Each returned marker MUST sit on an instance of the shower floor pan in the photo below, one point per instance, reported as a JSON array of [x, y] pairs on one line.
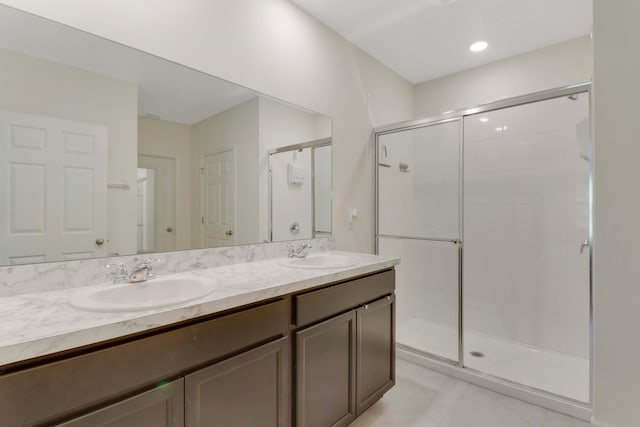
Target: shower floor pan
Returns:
[[551, 371]]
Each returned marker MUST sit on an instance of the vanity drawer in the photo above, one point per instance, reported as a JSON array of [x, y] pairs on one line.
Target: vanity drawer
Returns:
[[323, 303], [72, 385]]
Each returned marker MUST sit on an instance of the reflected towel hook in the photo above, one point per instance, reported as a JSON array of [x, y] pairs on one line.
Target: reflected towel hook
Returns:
[[385, 154], [124, 185]]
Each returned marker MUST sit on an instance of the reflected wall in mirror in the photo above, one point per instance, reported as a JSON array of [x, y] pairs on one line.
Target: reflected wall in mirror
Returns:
[[105, 150]]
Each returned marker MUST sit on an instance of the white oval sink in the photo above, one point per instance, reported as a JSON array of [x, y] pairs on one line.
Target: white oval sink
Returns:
[[321, 261], [154, 293]]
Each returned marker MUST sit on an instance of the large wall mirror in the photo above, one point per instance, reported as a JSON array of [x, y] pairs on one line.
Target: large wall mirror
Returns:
[[105, 151]]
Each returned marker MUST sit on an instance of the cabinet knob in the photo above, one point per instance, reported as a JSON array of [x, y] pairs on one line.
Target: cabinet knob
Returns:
[[99, 242], [229, 233], [366, 306], [169, 229]]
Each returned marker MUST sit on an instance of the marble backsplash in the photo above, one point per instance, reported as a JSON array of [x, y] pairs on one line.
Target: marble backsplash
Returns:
[[30, 278]]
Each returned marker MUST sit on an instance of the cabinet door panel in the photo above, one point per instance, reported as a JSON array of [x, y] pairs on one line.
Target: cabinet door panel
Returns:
[[160, 407], [248, 390], [375, 351], [325, 373]]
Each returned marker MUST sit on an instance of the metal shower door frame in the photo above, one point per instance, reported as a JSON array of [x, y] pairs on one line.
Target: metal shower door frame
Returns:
[[461, 115]]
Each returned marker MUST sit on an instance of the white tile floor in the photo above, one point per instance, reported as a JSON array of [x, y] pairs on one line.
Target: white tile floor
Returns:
[[558, 373], [425, 398]]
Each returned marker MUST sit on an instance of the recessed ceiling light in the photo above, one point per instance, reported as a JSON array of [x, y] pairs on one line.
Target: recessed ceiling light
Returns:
[[478, 46]]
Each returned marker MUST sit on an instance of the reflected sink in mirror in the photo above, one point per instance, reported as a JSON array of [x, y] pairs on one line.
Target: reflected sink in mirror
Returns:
[[319, 261], [155, 293]]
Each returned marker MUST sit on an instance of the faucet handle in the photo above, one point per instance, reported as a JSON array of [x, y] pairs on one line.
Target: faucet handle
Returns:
[[149, 274], [120, 275], [303, 249]]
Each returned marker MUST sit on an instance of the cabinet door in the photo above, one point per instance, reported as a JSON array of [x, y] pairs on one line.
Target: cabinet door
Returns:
[[160, 407], [248, 390], [375, 351], [326, 372]]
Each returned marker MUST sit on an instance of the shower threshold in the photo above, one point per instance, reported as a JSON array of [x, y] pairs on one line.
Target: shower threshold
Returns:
[[559, 374]]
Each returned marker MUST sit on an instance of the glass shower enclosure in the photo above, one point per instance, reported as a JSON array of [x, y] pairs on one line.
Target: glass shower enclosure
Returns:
[[419, 220], [489, 210]]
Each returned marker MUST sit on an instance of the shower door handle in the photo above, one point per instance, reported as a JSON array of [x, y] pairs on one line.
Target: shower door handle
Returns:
[[585, 244]]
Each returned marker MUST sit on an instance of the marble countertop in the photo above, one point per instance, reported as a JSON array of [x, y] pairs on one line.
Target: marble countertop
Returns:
[[43, 323]]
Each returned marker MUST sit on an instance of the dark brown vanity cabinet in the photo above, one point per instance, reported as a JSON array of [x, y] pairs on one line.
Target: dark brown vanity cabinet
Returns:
[[330, 351], [345, 363], [143, 381], [247, 390]]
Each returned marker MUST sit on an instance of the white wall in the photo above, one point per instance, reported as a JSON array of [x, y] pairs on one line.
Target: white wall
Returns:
[[237, 129], [277, 49], [617, 212], [37, 86], [560, 65], [172, 140]]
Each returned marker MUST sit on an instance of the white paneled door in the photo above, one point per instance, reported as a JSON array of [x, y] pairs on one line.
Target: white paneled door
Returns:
[[218, 199], [53, 201]]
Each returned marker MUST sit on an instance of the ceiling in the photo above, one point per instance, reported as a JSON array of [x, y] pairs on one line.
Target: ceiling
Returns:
[[165, 90], [425, 39]]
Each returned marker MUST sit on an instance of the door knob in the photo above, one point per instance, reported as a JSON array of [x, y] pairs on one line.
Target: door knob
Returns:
[[99, 242], [294, 228], [169, 229], [229, 233]]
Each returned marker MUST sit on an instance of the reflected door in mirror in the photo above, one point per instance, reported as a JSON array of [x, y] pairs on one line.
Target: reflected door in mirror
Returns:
[[219, 199], [55, 198], [163, 205]]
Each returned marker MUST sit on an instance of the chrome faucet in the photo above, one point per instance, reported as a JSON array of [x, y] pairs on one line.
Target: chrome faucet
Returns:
[[299, 252], [140, 273], [144, 271]]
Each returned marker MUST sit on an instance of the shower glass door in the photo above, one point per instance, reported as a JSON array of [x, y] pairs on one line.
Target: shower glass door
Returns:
[[526, 227], [419, 221]]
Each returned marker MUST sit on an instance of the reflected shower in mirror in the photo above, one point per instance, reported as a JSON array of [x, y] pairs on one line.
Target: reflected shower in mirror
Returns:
[[301, 190], [106, 150]]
